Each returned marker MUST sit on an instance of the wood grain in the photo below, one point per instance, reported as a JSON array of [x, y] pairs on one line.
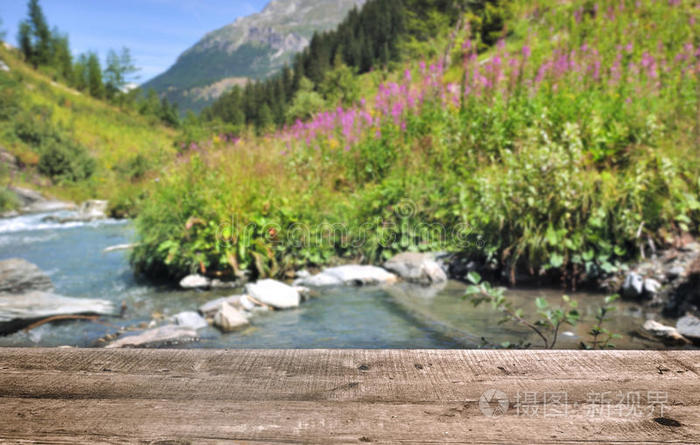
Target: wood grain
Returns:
[[343, 396]]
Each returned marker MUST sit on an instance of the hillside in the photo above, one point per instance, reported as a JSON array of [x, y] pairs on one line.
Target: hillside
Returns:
[[67, 144], [559, 151], [252, 47]]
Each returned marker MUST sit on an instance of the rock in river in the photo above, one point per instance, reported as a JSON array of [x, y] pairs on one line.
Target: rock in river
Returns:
[[190, 319], [229, 319], [17, 311], [667, 334], [350, 274], [164, 334], [416, 267], [633, 285], [18, 276], [274, 293], [689, 326], [195, 281]]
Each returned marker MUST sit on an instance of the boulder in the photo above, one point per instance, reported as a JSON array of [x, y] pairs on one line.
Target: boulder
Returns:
[[190, 319], [195, 281], [274, 293], [633, 286], [4, 67], [689, 326], [93, 209], [164, 334], [667, 334], [229, 319], [18, 276], [17, 311], [348, 275], [416, 267]]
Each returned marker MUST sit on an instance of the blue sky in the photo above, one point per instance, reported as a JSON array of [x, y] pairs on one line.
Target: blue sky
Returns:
[[156, 31]]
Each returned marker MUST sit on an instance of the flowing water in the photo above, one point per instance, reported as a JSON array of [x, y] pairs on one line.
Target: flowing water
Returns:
[[402, 316]]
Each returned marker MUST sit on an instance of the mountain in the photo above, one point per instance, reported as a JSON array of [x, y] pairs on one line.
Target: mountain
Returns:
[[252, 47]]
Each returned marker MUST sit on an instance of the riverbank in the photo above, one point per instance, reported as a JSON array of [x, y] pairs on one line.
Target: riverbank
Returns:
[[401, 315]]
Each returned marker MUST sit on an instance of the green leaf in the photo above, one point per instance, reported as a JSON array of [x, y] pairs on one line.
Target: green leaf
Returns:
[[556, 260], [541, 303], [474, 277]]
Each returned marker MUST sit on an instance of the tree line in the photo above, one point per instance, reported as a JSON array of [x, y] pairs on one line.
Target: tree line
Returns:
[[323, 74]]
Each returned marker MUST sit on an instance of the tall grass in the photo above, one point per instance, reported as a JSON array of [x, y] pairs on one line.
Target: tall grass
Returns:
[[565, 148]]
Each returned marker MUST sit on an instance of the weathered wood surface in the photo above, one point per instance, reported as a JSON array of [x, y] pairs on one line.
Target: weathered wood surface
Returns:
[[342, 396]]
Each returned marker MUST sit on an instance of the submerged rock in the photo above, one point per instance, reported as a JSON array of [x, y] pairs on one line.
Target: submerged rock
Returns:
[[274, 293], [164, 334], [18, 276], [190, 319], [229, 319], [665, 333], [195, 281], [689, 326], [349, 275], [416, 267]]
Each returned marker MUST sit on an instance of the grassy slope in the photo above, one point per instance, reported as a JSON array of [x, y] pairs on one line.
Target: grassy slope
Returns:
[[543, 165], [113, 136]]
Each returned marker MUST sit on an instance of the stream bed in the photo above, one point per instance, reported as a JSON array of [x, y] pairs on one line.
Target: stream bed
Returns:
[[402, 316]]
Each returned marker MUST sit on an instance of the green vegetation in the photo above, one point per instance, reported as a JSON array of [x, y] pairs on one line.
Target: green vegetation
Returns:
[[555, 151], [367, 39], [549, 320], [88, 148]]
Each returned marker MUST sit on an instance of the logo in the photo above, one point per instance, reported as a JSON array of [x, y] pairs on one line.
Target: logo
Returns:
[[493, 403]]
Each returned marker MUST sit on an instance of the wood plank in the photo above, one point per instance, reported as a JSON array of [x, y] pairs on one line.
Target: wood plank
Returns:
[[344, 396]]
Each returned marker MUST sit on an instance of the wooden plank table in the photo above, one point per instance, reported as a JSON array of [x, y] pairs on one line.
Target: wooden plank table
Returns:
[[348, 396]]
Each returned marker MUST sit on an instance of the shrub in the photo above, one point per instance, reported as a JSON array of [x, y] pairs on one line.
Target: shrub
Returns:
[[66, 161]]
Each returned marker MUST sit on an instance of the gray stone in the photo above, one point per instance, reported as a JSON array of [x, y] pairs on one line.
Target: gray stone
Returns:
[[33, 202], [164, 334], [319, 280], [676, 271], [118, 247], [190, 319], [274, 293], [247, 304], [689, 326], [633, 285], [4, 67], [210, 308], [302, 274], [229, 319], [349, 275], [16, 311], [220, 284], [651, 286], [416, 267], [664, 333], [18, 276], [195, 281], [93, 209]]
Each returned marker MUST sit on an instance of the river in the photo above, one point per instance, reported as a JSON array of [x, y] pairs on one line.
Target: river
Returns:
[[403, 316]]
